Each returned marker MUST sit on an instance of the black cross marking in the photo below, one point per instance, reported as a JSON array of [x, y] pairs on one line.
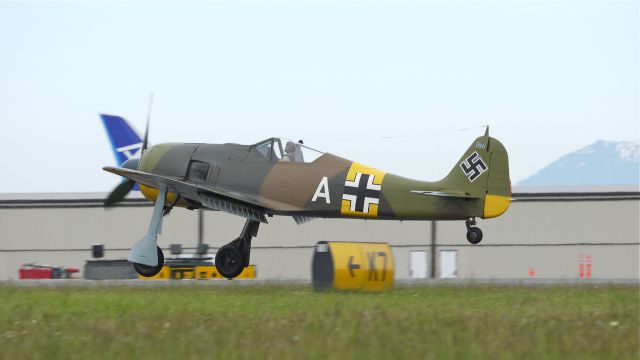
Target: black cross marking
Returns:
[[361, 192], [473, 166]]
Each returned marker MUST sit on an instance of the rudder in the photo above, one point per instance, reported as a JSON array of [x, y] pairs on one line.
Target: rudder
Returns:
[[483, 172]]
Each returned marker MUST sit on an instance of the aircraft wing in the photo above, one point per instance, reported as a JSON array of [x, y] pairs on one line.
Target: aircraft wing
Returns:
[[444, 194], [214, 198]]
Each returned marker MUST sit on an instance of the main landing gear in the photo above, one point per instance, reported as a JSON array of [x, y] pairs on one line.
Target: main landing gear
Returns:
[[148, 271], [474, 234], [232, 258], [146, 256]]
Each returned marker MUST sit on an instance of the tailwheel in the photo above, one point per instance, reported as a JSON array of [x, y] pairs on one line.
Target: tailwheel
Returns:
[[149, 271], [229, 261], [474, 235]]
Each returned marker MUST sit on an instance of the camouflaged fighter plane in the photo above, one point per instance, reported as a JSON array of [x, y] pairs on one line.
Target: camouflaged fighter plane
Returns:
[[280, 177]]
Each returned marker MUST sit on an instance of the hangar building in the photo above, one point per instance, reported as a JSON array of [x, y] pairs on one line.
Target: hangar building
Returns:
[[559, 233]]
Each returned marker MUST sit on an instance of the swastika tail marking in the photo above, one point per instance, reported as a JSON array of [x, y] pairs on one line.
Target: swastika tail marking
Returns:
[[362, 189], [473, 166]]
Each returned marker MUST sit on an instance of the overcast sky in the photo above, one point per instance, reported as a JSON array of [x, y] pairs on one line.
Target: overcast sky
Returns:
[[548, 77]]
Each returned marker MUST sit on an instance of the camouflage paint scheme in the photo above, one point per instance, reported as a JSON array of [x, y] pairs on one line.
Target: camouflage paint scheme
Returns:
[[244, 181]]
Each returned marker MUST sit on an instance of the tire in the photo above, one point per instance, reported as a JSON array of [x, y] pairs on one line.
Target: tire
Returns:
[[149, 271], [229, 261], [474, 235]]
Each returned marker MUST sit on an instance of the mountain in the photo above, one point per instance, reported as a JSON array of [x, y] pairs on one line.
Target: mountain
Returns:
[[601, 163]]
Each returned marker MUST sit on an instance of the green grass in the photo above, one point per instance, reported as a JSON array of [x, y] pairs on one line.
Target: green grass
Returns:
[[441, 322]]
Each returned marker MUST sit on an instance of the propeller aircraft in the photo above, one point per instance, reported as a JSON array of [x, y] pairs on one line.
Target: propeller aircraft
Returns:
[[287, 178]]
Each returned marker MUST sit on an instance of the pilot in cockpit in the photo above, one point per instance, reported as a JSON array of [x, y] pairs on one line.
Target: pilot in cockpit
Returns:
[[292, 152], [289, 152]]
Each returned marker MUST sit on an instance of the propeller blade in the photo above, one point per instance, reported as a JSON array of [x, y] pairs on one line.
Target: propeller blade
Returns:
[[119, 193], [145, 142]]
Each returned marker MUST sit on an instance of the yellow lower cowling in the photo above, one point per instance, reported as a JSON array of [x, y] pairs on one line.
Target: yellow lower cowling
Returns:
[[495, 205], [152, 194]]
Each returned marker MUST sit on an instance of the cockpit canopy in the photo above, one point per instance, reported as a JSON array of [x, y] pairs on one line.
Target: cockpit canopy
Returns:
[[285, 150]]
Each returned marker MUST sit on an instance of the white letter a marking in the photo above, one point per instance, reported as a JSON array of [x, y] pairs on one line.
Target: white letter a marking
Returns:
[[322, 191]]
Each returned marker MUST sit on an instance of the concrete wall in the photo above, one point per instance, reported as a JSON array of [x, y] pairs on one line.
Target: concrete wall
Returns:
[[540, 239]]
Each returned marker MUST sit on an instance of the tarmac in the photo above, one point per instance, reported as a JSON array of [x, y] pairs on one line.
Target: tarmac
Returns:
[[263, 282]]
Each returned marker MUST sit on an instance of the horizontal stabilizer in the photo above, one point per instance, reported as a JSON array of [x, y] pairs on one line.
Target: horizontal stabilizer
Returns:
[[444, 194]]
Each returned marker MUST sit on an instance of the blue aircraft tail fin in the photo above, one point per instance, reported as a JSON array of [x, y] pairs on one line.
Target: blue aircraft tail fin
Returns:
[[125, 141]]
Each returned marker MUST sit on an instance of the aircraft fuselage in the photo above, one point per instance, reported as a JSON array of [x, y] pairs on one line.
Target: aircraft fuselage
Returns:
[[329, 186]]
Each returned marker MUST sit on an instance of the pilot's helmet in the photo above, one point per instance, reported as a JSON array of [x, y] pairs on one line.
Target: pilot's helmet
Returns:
[[290, 147]]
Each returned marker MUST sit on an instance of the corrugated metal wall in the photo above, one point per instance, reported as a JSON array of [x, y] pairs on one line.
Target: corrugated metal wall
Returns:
[[545, 238]]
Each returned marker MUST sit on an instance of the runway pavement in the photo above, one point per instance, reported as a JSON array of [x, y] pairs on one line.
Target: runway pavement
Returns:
[[262, 282]]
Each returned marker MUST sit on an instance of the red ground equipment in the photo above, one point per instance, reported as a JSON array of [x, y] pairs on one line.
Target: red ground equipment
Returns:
[[37, 271]]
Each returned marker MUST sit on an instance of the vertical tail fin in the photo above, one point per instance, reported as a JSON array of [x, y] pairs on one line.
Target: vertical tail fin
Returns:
[[125, 141], [483, 172]]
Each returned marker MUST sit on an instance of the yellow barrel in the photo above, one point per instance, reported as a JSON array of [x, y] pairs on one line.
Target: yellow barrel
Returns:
[[352, 266]]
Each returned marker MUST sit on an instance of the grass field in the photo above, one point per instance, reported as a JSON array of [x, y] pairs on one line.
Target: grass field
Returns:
[[441, 322]]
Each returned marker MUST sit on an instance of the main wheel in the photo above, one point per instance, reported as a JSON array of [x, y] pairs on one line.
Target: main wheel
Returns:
[[229, 261], [149, 271], [474, 235]]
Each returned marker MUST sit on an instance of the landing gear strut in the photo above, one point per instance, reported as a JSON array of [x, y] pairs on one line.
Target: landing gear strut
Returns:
[[474, 234], [146, 256], [232, 258]]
